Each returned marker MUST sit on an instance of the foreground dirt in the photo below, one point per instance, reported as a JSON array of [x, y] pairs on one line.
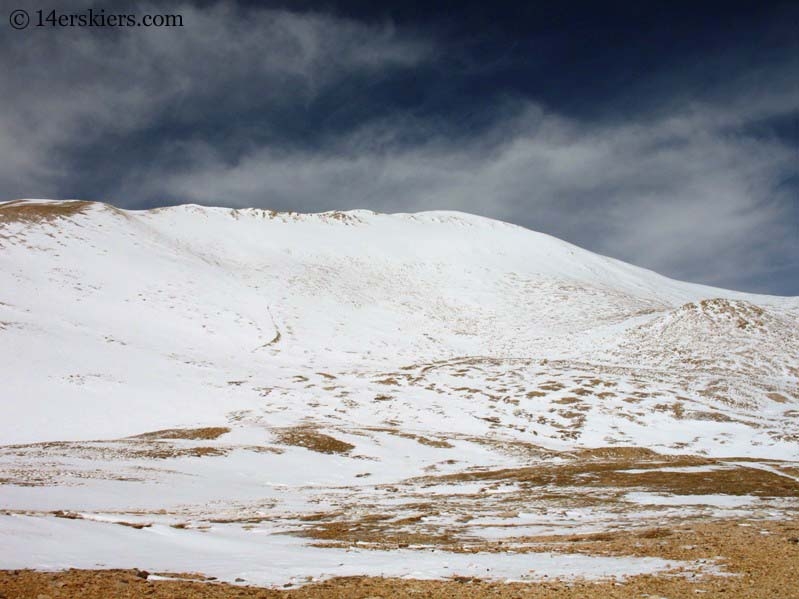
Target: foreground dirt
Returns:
[[762, 559]]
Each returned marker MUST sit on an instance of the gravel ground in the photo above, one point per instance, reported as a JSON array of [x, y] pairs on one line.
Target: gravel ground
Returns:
[[761, 557]]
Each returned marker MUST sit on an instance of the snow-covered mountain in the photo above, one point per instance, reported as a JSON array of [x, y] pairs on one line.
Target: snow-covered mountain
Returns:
[[190, 367], [119, 322]]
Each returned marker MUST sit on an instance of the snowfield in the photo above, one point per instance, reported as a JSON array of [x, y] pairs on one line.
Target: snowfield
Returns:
[[281, 397]]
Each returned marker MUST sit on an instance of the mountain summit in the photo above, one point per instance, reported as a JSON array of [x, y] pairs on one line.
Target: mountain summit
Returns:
[[117, 322]]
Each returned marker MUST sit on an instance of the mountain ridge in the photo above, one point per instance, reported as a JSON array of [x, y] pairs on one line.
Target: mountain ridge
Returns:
[[194, 389], [223, 294]]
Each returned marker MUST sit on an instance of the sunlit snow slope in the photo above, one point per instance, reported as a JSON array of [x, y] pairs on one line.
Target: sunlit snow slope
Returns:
[[212, 390], [114, 323]]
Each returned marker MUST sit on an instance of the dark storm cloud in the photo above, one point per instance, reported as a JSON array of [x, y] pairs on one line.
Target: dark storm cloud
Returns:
[[70, 91], [686, 165]]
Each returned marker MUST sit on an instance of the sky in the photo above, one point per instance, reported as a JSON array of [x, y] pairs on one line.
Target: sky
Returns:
[[663, 134]]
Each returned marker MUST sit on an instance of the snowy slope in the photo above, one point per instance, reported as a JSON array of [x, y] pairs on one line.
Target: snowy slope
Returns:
[[116, 323], [343, 357]]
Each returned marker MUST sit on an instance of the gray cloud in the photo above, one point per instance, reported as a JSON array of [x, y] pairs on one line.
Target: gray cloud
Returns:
[[681, 194], [67, 89], [685, 190]]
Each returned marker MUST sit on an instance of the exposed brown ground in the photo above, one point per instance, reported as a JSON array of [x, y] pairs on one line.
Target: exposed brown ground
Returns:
[[24, 212], [311, 439], [605, 468], [762, 554], [763, 558], [430, 442], [208, 433]]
